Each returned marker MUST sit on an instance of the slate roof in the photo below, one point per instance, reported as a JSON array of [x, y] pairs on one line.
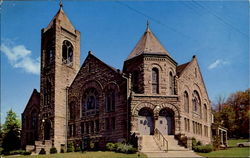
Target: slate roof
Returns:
[[148, 44], [64, 21], [180, 68]]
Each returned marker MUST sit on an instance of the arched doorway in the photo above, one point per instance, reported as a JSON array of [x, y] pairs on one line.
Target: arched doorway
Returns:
[[165, 122], [47, 129], [146, 121]]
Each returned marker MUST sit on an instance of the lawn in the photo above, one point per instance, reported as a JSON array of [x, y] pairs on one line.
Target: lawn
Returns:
[[232, 151], [98, 154], [233, 142]]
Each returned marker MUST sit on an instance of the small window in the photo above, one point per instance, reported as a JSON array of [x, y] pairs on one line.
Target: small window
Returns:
[[160, 121], [67, 52], [107, 123], [171, 83], [113, 123], [135, 81], [141, 122], [155, 81]]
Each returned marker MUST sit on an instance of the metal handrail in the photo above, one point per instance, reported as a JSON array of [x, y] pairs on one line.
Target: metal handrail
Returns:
[[162, 141]]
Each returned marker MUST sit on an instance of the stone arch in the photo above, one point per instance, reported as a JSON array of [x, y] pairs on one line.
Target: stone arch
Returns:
[[139, 106], [113, 85], [156, 66], [166, 105]]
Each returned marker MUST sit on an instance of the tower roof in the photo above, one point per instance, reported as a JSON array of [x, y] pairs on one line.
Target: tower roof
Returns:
[[148, 44], [63, 20]]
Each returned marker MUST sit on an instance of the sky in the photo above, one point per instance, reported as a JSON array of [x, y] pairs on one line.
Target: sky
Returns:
[[217, 32]]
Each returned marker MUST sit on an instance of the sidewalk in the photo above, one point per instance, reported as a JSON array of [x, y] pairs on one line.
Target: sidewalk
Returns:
[[172, 154]]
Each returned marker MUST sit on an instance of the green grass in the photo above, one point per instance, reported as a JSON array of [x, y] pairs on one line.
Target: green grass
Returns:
[[98, 154], [233, 142], [230, 152]]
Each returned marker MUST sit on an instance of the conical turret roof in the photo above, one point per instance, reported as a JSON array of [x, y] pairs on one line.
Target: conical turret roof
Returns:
[[63, 20], [148, 44]]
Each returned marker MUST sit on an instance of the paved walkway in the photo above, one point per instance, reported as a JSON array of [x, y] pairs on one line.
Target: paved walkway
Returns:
[[171, 154]]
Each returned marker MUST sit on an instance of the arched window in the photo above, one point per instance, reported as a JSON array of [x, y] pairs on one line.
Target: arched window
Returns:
[[34, 119], [67, 52], [49, 54], [72, 113], [205, 112], [90, 104], [47, 93], [196, 103], [135, 79], [186, 102], [110, 100], [155, 81], [171, 83]]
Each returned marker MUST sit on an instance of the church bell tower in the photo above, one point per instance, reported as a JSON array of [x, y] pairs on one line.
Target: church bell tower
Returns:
[[60, 62]]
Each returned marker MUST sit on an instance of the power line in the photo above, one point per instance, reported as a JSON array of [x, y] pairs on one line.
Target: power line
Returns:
[[151, 18], [220, 19]]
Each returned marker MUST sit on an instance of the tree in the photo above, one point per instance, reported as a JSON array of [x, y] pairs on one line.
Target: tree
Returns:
[[234, 113], [11, 132]]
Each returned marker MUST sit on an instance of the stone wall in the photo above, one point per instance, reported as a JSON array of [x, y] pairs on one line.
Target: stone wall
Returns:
[[95, 74], [190, 80]]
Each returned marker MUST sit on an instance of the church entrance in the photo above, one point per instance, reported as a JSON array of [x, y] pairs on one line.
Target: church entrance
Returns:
[[165, 122], [47, 128], [146, 122]]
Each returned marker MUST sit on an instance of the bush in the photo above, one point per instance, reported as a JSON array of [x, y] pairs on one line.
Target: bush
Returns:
[[194, 143], [199, 143], [62, 151], [111, 146], [1, 151], [53, 150], [42, 152], [125, 148], [27, 153], [71, 147], [92, 145], [16, 152], [77, 149], [203, 148]]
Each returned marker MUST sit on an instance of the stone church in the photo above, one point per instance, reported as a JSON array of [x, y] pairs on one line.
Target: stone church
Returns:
[[94, 102]]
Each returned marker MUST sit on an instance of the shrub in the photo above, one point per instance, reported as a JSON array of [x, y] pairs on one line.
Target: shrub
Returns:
[[71, 147], [92, 145], [77, 149], [62, 151], [53, 150], [111, 146], [16, 152], [203, 148], [125, 148], [1, 151], [194, 143], [27, 153], [199, 143], [42, 152]]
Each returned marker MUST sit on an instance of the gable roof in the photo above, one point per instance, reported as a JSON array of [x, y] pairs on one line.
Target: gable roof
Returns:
[[181, 68], [35, 96], [63, 20], [90, 55], [148, 44]]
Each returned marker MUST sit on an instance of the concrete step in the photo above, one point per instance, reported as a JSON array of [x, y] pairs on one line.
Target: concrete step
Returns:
[[173, 144], [149, 144]]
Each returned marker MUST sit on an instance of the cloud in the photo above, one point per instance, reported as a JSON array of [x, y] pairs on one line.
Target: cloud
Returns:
[[218, 62], [20, 57]]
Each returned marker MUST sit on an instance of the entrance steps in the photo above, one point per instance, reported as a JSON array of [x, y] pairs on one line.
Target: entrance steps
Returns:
[[35, 149], [173, 144], [149, 144]]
